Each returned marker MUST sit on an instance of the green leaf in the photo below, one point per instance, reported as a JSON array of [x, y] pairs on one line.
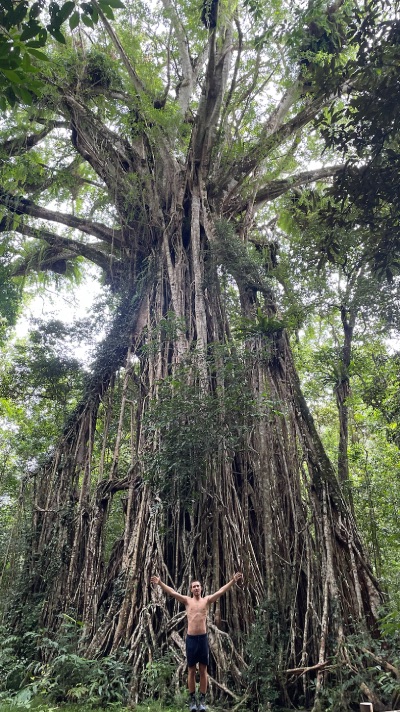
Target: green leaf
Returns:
[[12, 99], [87, 21], [4, 47], [39, 55], [54, 8], [57, 34], [9, 64], [36, 86], [23, 94], [106, 9], [12, 76], [74, 20], [42, 37], [18, 13], [95, 15], [35, 10], [87, 8], [36, 43], [7, 5], [26, 64], [30, 30], [65, 11]]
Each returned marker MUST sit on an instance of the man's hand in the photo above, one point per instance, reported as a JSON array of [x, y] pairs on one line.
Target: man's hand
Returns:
[[156, 580], [237, 577]]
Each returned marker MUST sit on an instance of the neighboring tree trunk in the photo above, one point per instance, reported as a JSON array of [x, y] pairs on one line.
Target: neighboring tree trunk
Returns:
[[342, 392]]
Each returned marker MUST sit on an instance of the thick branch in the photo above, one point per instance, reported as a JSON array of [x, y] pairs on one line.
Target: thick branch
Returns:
[[48, 260], [110, 155], [136, 81], [22, 206], [280, 111], [269, 140], [188, 79], [53, 175], [388, 666], [304, 670], [211, 101], [275, 188], [93, 253], [21, 144], [235, 71]]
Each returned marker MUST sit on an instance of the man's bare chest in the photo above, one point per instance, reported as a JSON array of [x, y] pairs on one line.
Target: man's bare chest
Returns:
[[197, 609]]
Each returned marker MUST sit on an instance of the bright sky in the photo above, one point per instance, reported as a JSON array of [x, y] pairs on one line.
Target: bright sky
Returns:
[[64, 303]]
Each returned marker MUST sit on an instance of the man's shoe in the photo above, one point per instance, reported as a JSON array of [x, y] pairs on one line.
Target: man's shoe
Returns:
[[192, 703], [202, 704]]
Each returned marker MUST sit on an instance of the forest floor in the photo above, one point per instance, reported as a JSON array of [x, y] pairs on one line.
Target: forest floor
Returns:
[[54, 707], [36, 706]]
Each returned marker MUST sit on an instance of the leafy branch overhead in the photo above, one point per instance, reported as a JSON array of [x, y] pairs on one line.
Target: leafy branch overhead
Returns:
[[26, 29], [366, 130]]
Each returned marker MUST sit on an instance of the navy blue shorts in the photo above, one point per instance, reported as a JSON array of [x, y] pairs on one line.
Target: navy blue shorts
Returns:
[[197, 649]]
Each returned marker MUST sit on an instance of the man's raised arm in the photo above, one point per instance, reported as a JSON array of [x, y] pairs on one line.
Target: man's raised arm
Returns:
[[215, 596], [167, 589]]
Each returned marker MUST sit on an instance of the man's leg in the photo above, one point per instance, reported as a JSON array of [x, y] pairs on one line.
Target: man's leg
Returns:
[[192, 688], [203, 678], [203, 687], [192, 679]]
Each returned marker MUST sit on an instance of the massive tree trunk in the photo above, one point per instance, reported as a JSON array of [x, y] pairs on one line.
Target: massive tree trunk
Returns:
[[227, 486], [208, 437]]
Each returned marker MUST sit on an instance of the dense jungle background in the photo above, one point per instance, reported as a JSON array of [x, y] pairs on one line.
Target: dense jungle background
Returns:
[[199, 333]]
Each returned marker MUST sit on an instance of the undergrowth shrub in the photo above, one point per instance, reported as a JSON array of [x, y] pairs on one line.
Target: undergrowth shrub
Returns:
[[157, 678], [58, 673], [263, 647], [364, 666]]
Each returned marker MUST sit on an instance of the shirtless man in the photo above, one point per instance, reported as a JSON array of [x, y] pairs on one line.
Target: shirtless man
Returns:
[[196, 639]]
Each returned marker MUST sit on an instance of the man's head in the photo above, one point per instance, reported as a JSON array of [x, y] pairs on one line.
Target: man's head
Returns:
[[195, 588]]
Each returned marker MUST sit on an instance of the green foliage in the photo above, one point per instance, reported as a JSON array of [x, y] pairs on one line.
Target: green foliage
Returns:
[[157, 677], [367, 131], [366, 658], [373, 448], [10, 299], [379, 387], [236, 257], [40, 383], [188, 425], [10, 289], [13, 663], [324, 52], [390, 627], [262, 325], [41, 368], [38, 705], [72, 677], [24, 34], [101, 71], [264, 647], [60, 674]]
